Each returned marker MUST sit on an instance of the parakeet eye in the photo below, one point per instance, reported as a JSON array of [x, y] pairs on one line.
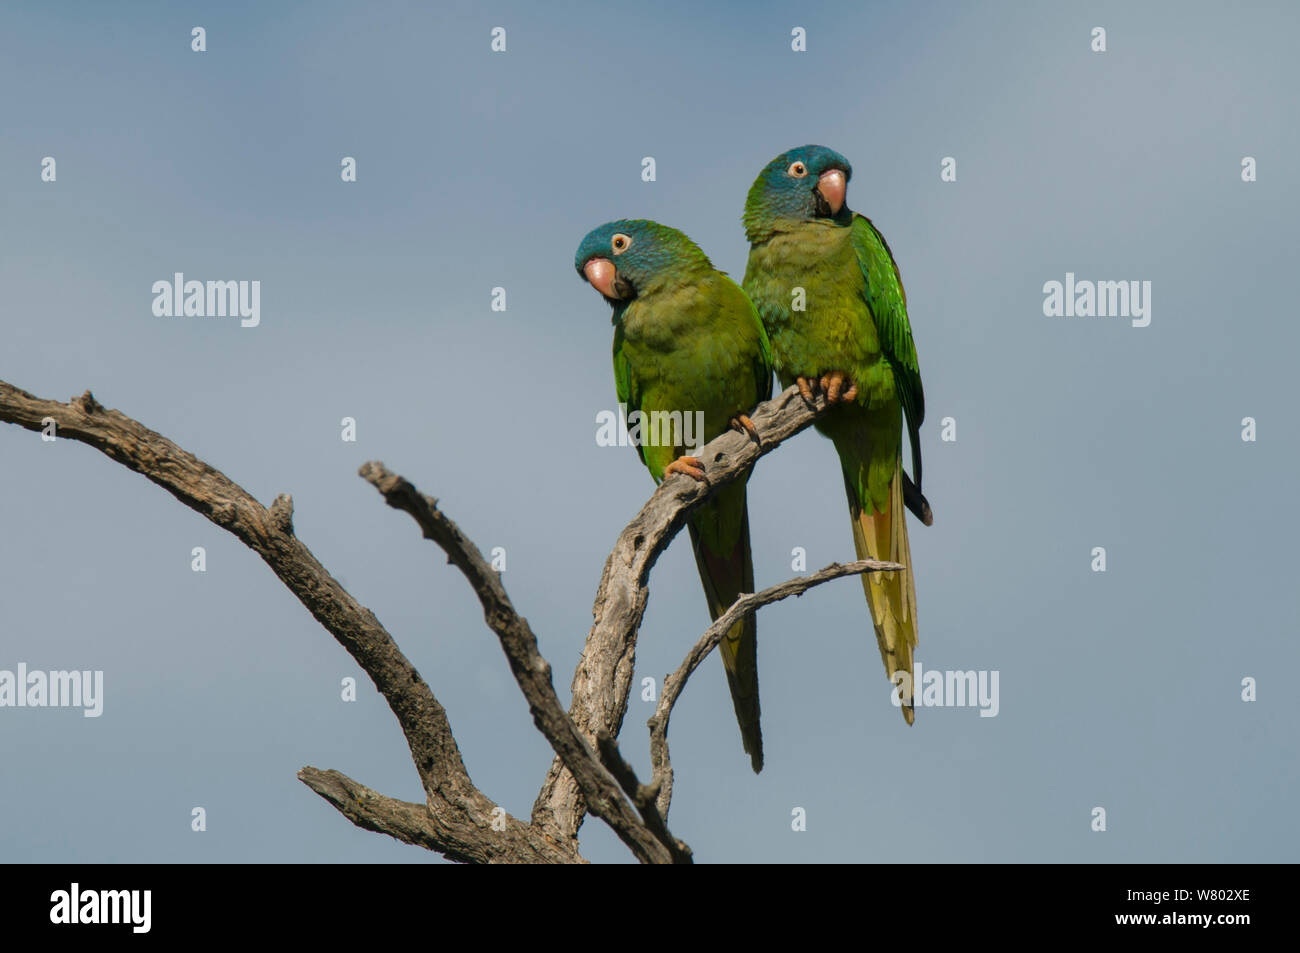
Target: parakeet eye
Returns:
[[620, 243], [798, 170]]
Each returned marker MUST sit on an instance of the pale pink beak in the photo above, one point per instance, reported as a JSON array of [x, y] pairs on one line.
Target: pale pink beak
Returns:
[[600, 272], [831, 185]]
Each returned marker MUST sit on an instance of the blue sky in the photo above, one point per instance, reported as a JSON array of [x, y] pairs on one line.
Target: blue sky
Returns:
[[477, 170]]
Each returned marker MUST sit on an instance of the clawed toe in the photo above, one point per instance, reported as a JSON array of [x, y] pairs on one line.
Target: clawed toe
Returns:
[[743, 423], [687, 465], [838, 387]]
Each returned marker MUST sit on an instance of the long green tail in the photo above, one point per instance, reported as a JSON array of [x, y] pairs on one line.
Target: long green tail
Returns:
[[720, 538], [891, 595]]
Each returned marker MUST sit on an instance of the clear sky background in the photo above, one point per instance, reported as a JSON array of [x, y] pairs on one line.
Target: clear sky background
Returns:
[[1119, 689]]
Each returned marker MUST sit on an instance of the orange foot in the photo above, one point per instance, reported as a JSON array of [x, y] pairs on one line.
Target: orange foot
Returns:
[[743, 423], [832, 383], [688, 465], [838, 387]]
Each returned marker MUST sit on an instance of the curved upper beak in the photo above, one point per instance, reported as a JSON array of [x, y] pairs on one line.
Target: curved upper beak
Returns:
[[832, 185], [601, 273]]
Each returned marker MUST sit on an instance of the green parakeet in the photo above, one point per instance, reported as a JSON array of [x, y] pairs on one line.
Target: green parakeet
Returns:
[[689, 346], [832, 301]]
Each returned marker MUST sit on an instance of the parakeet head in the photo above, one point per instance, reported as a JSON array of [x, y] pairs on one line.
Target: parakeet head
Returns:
[[633, 256], [802, 185]]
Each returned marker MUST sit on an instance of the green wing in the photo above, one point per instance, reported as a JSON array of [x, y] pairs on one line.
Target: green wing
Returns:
[[763, 359], [625, 384], [888, 304]]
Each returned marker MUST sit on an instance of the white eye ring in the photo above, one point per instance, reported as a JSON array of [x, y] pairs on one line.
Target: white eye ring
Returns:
[[620, 243], [798, 170]]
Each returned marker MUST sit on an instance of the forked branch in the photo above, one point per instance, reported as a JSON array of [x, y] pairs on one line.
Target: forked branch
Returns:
[[457, 819], [662, 780]]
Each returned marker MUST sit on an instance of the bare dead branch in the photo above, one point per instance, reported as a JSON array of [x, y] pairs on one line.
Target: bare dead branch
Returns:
[[412, 824], [458, 820], [642, 795], [404, 820], [662, 781], [599, 788], [603, 679], [460, 816]]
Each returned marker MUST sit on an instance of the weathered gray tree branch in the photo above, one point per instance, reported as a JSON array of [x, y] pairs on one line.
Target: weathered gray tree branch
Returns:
[[642, 795], [661, 783], [603, 680], [457, 819], [404, 820], [599, 788]]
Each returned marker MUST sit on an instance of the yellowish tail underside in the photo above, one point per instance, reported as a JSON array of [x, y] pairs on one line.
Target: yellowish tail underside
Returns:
[[891, 595]]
